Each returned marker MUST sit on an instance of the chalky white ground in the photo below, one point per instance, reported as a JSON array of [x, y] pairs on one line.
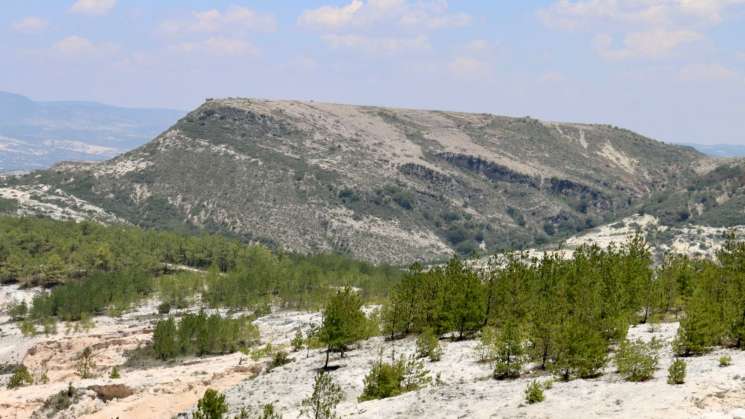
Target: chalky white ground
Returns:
[[466, 388], [469, 391]]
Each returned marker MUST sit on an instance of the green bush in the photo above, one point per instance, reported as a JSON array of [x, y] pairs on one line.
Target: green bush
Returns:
[[428, 346], [637, 360], [676, 374], [534, 392], [164, 307], [21, 377], [17, 311], [297, 341], [28, 328], [278, 359], [391, 379], [59, 402], [725, 361], [211, 406], [115, 373]]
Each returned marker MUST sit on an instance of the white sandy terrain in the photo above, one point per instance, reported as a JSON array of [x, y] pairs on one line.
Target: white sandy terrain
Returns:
[[468, 391], [465, 387], [160, 390]]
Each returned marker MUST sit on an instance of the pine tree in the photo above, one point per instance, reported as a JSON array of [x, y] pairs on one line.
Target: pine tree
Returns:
[[509, 352], [343, 322], [321, 404]]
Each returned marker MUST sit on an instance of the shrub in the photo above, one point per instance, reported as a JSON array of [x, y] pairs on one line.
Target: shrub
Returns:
[[534, 392], [164, 307], [211, 406], [637, 360], [17, 311], [50, 326], [268, 411], [321, 404], [428, 346], [297, 342], [21, 377], [280, 358], [28, 328], [388, 380], [725, 361], [86, 364], [676, 374], [59, 402], [115, 373]]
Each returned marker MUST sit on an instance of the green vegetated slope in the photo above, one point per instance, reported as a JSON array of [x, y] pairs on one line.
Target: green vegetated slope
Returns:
[[715, 198], [91, 267], [381, 184]]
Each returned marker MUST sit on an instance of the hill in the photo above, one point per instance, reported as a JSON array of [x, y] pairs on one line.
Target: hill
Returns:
[[383, 184], [35, 135]]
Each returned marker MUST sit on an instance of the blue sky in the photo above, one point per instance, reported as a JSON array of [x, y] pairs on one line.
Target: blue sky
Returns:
[[670, 69]]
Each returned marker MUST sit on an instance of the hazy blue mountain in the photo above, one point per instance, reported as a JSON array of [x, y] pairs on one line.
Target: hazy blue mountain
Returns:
[[35, 135], [720, 150]]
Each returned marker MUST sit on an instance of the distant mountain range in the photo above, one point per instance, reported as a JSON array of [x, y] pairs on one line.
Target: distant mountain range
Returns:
[[720, 150], [35, 135]]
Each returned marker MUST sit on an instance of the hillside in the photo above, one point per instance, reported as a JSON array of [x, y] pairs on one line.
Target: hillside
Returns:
[[716, 198], [381, 184], [35, 135]]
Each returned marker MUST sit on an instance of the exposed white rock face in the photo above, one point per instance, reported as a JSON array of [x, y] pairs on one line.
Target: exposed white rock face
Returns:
[[56, 204]]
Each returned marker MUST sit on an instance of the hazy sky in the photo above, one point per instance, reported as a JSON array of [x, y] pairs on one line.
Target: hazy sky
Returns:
[[671, 69]]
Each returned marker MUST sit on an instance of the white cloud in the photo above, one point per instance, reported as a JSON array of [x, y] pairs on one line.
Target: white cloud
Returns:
[[421, 15], [710, 10], [30, 24], [707, 72], [469, 68], [218, 46], [214, 21], [332, 17], [93, 7], [74, 45], [579, 14], [648, 29], [387, 45], [649, 44]]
